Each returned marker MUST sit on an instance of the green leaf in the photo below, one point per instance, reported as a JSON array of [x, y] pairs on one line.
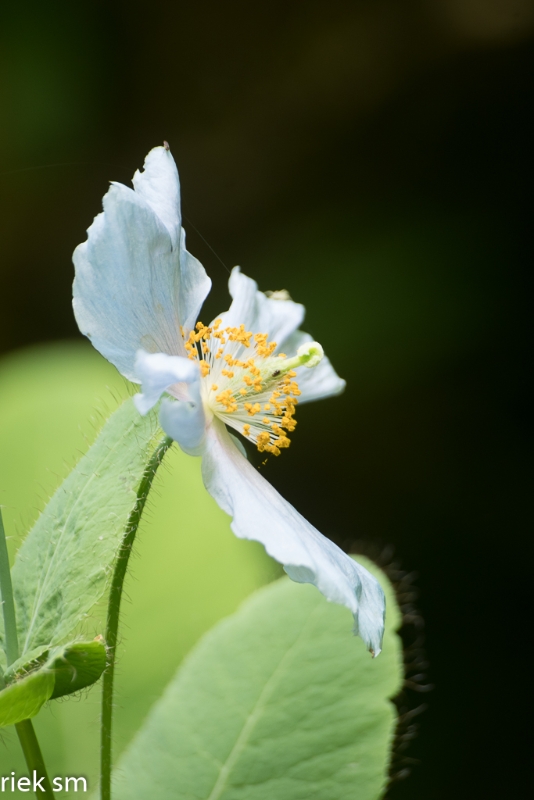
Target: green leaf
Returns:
[[64, 670], [63, 566], [23, 699], [277, 701]]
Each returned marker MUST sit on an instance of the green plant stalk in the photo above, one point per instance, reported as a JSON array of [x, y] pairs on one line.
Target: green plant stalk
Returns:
[[34, 757], [8, 604], [25, 729], [114, 605]]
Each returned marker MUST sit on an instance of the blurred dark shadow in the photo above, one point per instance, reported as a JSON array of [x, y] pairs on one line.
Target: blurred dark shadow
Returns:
[[374, 158]]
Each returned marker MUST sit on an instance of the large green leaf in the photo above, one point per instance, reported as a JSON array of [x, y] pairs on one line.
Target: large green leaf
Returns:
[[277, 701], [62, 671], [62, 569]]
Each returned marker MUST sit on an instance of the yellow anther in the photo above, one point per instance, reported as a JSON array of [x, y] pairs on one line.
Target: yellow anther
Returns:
[[214, 387], [266, 421], [243, 392], [227, 372], [204, 368], [226, 399], [262, 442], [267, 407], [282, 441], [246, 429], [216, 324]]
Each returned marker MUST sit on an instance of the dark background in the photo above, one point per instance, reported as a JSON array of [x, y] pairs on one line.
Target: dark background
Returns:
[[374, 158]]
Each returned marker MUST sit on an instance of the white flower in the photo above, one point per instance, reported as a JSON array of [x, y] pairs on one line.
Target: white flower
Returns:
[[137, 296]]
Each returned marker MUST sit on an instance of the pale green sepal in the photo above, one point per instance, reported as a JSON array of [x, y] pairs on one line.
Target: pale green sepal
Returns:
[[63, 566], [277, 701]]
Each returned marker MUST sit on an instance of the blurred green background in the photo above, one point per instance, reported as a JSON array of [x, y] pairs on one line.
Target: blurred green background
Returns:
[[373, 158]]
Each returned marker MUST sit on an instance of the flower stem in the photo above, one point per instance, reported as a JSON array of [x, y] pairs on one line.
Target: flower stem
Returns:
[[34, 757], [25, 730], [8, 605], [114, 605]]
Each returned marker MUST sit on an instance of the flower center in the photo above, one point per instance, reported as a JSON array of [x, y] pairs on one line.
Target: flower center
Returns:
[[246, 385]]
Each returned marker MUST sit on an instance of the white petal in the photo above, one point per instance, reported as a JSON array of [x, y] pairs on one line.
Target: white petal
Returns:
[[135, 286], [280, 319], [126, 289], [259, 313], [317, 382], [157, 372], [158, 184], [194, 287], [261, 514], [184, 421]]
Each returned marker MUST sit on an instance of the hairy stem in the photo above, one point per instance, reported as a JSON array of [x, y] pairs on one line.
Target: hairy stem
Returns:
[[8, 604], [25, 730], [34, 759], [114, 605]]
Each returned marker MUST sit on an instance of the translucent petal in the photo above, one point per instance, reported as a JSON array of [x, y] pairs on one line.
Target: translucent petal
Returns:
[[261, 514]]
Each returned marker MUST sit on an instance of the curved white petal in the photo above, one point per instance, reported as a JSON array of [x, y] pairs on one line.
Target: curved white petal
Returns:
[[157, 372], [260, 513], [259, 313], [135, 283], [317, 382]]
